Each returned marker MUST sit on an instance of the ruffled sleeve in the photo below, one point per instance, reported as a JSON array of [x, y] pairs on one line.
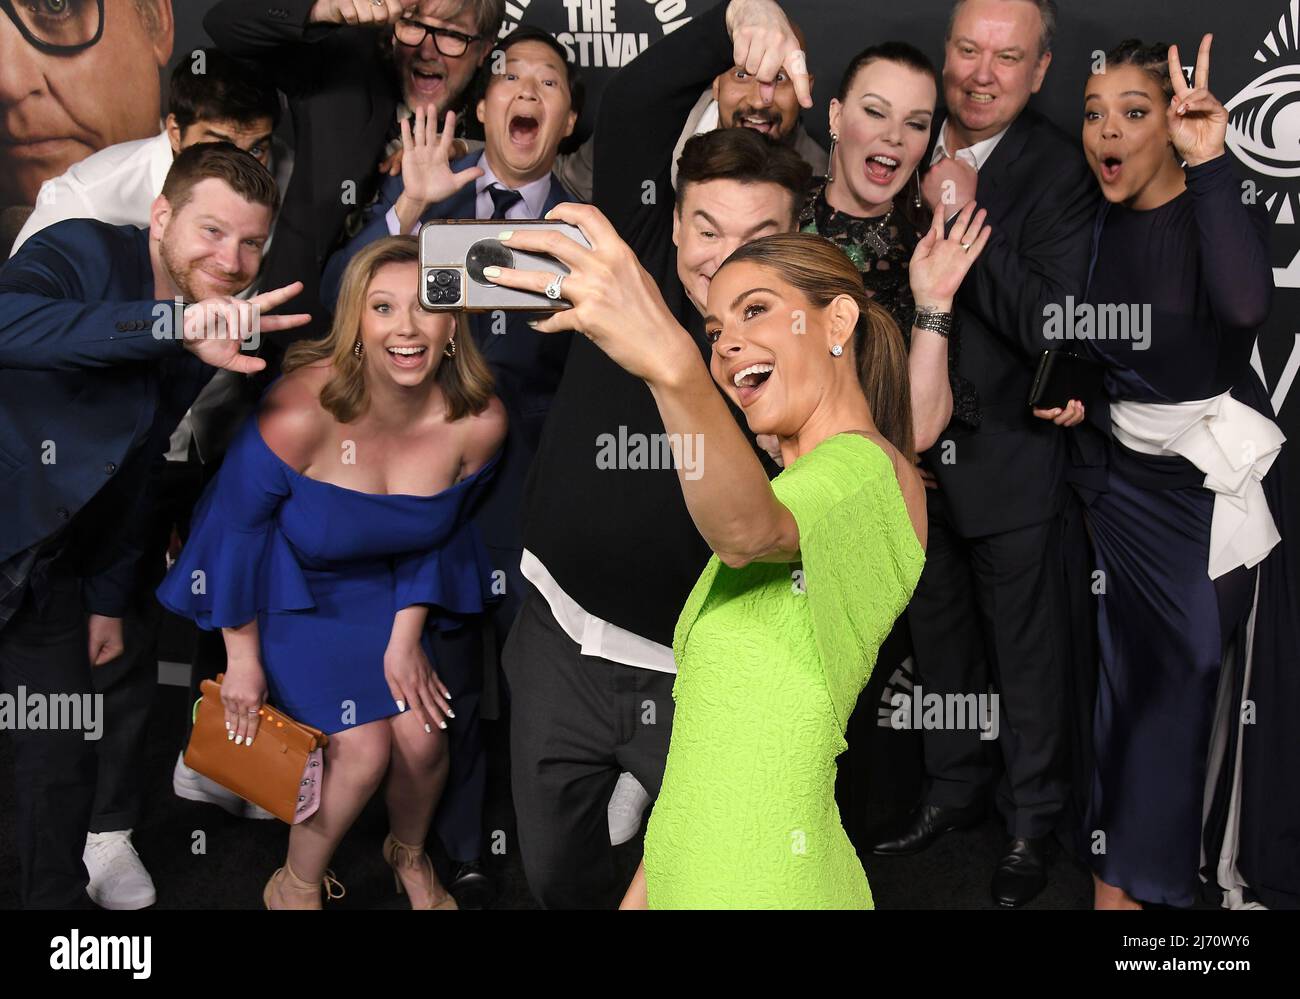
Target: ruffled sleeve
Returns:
[[236, 562], [861, 558], [455, 578]]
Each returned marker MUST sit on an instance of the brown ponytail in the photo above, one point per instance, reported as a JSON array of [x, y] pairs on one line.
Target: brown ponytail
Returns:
[[821, 272]]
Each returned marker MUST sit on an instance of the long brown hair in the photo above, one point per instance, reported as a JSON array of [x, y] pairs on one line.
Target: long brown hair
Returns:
[[821, 272], [465, 379]]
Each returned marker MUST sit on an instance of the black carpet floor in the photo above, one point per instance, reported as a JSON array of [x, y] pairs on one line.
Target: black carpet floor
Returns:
[[226, 866]]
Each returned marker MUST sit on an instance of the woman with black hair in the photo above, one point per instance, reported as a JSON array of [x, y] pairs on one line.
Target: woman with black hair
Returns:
[[1177, 506], [869, 205]]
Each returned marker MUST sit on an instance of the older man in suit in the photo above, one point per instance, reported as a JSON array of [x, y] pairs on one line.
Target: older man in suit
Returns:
[[98, 361], [350, 69], [992, 602], [530, 104]]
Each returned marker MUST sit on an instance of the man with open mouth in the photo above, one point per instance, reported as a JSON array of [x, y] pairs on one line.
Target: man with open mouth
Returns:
[[351, 69], [737, 99]]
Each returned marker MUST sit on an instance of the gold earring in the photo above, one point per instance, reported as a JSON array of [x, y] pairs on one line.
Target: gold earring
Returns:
[[357, 349], [450, 349]]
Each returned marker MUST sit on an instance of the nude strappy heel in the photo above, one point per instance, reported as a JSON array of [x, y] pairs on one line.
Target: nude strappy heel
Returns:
[[399, 854], [285, 879]]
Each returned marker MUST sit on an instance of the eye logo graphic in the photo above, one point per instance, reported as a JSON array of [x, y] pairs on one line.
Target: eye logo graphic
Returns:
[[1264, 118]]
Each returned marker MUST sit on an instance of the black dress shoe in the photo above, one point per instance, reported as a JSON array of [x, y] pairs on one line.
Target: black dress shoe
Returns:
[[923, 825], [471, 886], [1021, 873]]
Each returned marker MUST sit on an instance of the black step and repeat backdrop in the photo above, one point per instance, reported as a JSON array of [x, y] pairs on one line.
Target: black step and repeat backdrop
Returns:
[[1255, 73]]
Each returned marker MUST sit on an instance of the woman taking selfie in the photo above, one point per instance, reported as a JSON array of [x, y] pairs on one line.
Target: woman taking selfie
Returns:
[[869, 205], [1176, 505], [810, 570], [334, 540]]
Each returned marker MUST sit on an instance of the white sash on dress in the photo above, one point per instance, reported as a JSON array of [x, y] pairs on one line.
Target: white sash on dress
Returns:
[[1234, 446]]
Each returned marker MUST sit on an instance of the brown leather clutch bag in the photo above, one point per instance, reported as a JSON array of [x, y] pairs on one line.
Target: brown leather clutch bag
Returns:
[[282, 769]]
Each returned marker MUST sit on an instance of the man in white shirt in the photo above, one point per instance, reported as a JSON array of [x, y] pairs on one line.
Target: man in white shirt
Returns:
[[213, 98]]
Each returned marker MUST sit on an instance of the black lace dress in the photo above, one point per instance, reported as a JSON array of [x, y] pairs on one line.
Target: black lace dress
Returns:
[[881, 248]]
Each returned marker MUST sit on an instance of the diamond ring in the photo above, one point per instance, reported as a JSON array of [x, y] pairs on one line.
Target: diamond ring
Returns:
[[552, 290]]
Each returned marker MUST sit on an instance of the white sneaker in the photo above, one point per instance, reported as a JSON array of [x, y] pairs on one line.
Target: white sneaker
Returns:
[[193, 786], [117, 878], [626, 806]]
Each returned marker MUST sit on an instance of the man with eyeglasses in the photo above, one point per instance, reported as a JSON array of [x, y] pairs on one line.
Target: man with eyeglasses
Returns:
[[76, 76], [352, 70]]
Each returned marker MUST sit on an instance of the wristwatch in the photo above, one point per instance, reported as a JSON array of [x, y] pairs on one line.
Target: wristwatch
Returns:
[[934, 321]]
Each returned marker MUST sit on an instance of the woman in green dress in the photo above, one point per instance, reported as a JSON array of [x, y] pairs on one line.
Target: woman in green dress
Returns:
[[810, 570]]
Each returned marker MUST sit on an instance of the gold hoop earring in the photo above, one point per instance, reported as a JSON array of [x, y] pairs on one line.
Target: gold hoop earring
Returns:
[[357, 349], [450, 349]]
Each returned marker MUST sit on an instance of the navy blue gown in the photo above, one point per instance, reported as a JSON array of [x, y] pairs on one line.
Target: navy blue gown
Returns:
[[324, 569], [1201, 262]]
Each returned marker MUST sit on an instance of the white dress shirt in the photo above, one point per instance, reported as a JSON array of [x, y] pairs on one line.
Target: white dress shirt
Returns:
[[595, 636], [976, 155]]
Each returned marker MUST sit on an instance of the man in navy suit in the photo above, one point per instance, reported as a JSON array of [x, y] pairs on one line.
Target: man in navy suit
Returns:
[[530, 104], [100, 356]]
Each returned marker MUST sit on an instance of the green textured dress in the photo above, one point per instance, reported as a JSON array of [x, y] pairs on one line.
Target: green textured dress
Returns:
[[771, 659]]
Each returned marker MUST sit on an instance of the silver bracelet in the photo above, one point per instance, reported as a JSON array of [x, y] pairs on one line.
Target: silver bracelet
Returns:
[[934, 321]]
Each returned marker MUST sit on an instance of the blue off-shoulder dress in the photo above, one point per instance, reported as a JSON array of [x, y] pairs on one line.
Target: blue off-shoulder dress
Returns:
[[324, 569]]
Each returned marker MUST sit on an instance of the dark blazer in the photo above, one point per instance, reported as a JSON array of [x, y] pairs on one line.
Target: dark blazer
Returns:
[[343, 101], [88, 394], [1042, 200], [526, 365]]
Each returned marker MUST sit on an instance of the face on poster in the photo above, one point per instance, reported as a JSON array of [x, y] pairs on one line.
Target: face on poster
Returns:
[[75, 76]]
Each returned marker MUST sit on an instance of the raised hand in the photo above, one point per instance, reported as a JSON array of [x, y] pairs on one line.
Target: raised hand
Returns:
[[1198, 123], [765, 43], [427, 177], [359, 11], [215, 328], [616, 304], [940, 263], [426, 158]]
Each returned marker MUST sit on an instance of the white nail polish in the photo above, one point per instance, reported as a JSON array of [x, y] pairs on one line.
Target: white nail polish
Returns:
[[401, 705], [249, 742], [239, 740], [229, 735], [450, 713], [427, 728], [442, 724]]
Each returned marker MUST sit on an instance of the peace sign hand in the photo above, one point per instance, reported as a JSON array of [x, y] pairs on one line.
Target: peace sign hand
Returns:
[[216, 328], [1198, 123]]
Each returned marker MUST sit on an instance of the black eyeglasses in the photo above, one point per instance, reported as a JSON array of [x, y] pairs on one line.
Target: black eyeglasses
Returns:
[[450, 43], [57, 27]]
